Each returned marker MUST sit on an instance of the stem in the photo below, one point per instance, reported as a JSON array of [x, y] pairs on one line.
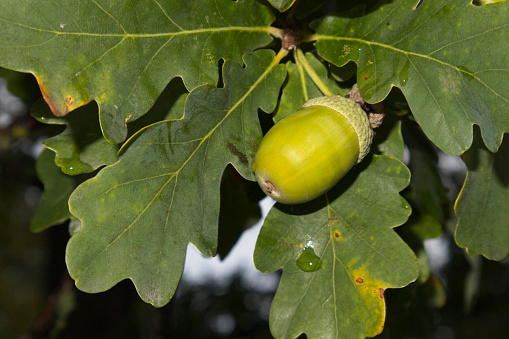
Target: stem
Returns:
[[302, 77], [300, 58], [275, 32], [280, 55], [310, 37]]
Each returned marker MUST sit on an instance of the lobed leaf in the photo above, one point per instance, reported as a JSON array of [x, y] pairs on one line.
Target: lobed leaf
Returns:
[[139, 214], [481, 206], [388, 139], [427, 193], [122, 54], [81, 148], [53, 207], [448, 57], [340, 253], [281, 5]]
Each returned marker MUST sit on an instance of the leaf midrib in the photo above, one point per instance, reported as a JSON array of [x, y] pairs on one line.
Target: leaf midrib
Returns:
[[265, 29], [175, 173], [395, 49], [419, 55]]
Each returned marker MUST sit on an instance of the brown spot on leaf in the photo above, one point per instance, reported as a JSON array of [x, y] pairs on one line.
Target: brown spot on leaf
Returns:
[[359, 280], [381, 290], [57, 111], [366, 77], [69, 100], [253, 145], [127, 118], [337, 235], [242, 157]]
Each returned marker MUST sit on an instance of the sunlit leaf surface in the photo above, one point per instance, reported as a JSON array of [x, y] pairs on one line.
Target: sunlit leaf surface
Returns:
[[53, 207], [339, 252], [482, 206], [123, 53], [448, 57], [139, 214]]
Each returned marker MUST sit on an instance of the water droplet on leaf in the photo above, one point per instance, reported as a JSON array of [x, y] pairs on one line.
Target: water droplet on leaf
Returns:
[[405, 204], [403, 75], [308, 260]]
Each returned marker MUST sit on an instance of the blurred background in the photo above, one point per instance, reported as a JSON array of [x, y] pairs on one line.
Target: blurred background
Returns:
[[463, 297]]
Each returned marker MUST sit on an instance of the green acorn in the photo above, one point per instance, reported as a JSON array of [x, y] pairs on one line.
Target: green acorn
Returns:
[[308, 152]]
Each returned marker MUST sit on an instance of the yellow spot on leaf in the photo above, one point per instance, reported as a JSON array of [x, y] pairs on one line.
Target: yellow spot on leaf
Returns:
[[372, 292], [127, 118]]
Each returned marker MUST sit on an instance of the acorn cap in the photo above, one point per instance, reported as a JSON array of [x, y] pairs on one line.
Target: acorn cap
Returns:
[[354, 113]]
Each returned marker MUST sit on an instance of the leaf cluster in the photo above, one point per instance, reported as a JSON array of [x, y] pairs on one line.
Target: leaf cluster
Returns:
[[165, 103]]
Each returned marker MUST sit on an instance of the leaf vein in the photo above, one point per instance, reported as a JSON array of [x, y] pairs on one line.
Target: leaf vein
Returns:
[[99, 58], [351, 228], [163, 238], [167, 16], [468, 38], [110, 15], [383, 19], [260, 29], [124, 231], [135, 181], [437, 104], [149, 62], [419, 26]]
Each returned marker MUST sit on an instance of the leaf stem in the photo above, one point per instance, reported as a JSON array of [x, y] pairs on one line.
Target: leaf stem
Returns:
[[310, 37], [280, 55], [302, 78], [275, 32], [300, 58]]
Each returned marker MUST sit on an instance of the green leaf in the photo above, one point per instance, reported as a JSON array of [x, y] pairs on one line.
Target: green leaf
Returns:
[[81, 148], [122, 54], [482, 205], [169, 106], [427, 49], [303, 9], [299, 87], [53, 207], [139, 214], [388, 139], [427, 194], [343, 73], [21, 85], [281, 5], [339, 252]]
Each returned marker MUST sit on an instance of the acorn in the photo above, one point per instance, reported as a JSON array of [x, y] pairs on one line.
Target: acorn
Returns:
[[306, 153]]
